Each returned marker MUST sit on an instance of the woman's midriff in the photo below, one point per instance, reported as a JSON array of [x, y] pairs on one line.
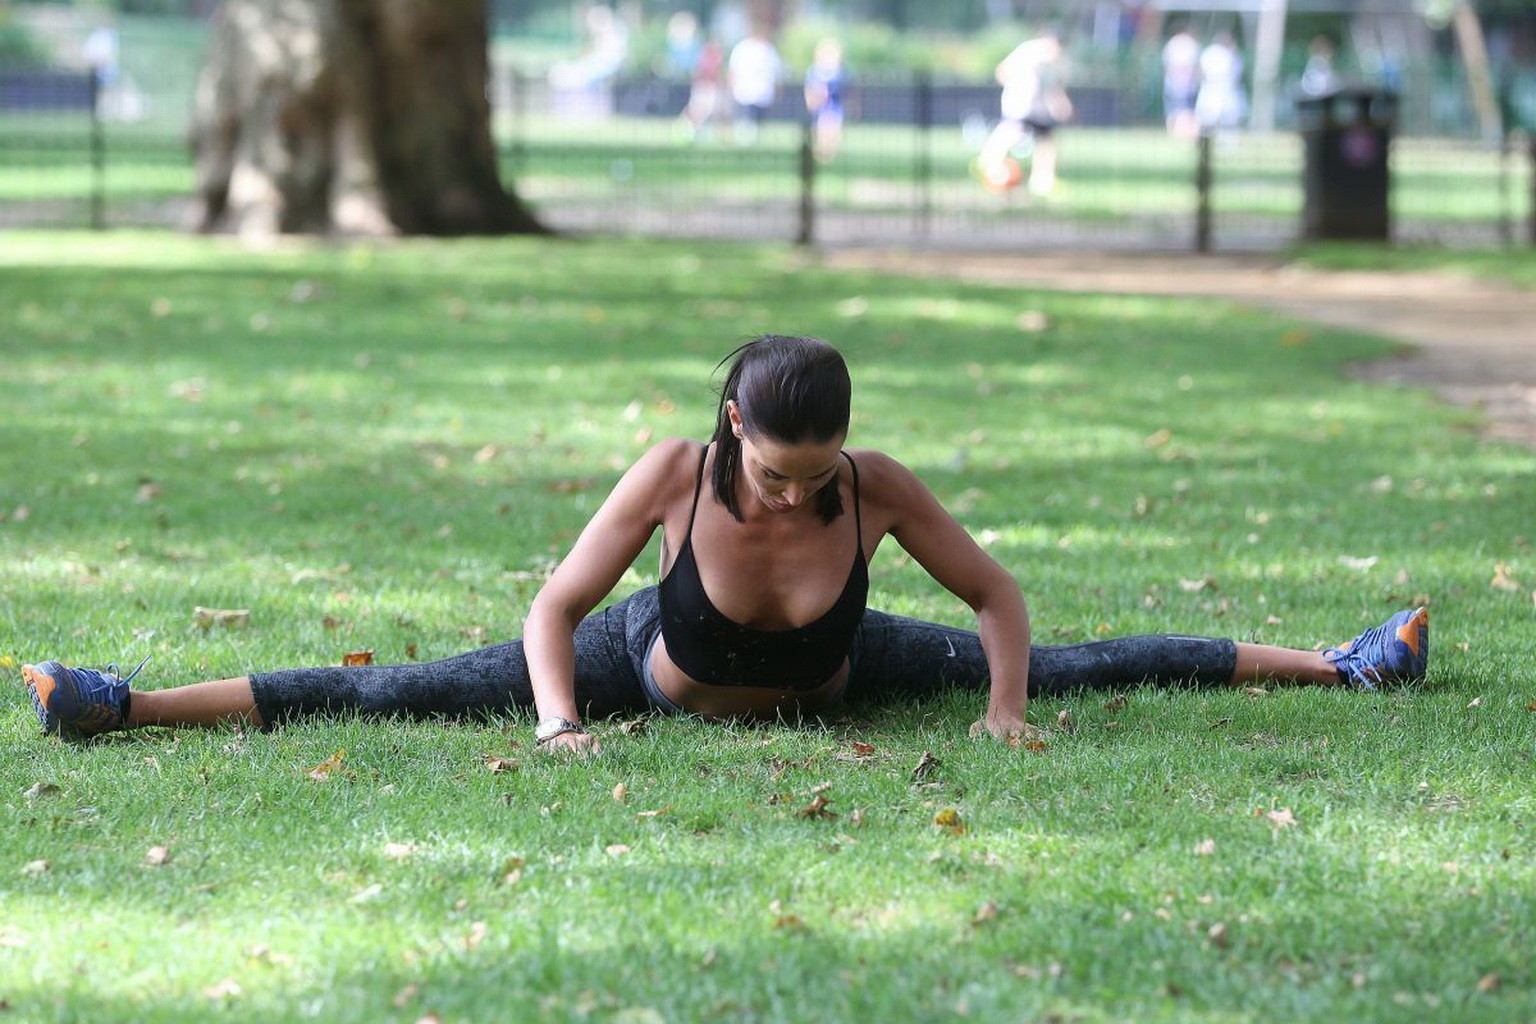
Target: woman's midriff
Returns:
[[714, 700]]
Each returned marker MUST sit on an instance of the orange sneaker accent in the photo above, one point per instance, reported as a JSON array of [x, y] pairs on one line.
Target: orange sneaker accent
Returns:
[[41, 684], [1411, 631]]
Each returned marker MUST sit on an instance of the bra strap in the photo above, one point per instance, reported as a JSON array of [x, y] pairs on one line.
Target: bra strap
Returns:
[[858, 519], [698, 485]]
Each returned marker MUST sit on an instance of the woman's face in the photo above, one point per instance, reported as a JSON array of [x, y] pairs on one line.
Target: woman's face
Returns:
[[782, 475]]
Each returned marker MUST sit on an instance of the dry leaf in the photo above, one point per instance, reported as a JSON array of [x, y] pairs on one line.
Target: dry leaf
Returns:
[[38, 789], [1064, 720], [616, 850], [157, 856], [1217, 934], [497, 765], [925, 766], [1036, 746], [620, 791], [1256, 691], [36, 867], [326, 768], [357, 658], [512, 871], [1158, 439], [404, 996], [863, 749], [817, 808], [1195, 586], [1283, 818], [1115, 704], [1488, 983], [368, 893], [658, 812], [225, 989], [1205, 848], [948, 821], [984, 913], [633, 727], [476, 935], [229, 618], [1477, 702], [399, 851], [1502, 579]]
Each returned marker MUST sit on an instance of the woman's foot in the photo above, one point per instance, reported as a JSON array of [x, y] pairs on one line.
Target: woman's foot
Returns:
[[77, 702], [1397, 651]]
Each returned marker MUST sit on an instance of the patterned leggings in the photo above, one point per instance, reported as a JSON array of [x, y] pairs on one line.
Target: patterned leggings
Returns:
[[892, 656]]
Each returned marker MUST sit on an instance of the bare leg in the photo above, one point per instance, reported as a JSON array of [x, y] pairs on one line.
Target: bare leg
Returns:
[[1042, 167], [995, 150], [1258, 663], [223, 700]]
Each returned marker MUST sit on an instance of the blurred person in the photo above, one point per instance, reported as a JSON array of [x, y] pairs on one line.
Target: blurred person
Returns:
[[1181, 82], [1318, 76], [583, 86], [705, 91], [825, 83], [1033, 103], [753, 73], [1221, 104]]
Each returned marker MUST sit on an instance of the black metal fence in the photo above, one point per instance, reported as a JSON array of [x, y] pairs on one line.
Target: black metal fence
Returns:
[[623, 159]]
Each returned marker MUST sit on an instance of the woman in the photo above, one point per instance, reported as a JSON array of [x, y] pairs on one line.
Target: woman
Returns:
[[767, 533]]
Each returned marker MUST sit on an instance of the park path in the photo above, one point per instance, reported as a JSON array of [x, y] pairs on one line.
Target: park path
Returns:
[[1473, 342]]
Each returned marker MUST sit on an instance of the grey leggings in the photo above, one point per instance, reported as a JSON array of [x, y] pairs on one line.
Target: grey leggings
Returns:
[[891, 657]]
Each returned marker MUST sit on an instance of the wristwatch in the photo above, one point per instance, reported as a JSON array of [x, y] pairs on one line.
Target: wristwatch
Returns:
[[554, 725]]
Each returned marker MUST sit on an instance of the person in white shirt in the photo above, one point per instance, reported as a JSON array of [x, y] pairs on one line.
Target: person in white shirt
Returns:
[[753, 71]]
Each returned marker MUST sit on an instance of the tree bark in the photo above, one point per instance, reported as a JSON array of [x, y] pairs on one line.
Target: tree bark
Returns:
[[349, 116]]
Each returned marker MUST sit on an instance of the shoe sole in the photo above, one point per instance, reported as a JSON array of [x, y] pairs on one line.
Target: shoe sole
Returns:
[[40, 687]]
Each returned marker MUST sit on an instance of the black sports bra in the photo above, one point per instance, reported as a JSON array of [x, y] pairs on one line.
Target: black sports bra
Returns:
[[712, 649]]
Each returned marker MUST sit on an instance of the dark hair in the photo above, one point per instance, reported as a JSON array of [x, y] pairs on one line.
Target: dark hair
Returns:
[[789, 390]]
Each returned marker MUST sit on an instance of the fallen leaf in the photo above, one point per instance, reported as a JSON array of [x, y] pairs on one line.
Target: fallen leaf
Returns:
[[1158, 439], [658, 812], [1115, 704], [229, 618], [475, 936], [1217, 934], [1256, 691], [1502, 579], [399, 851], [497, 765], [357, 658], [1488, 983], [368, 893], [326, 768], [404, 996], [1195, 586], [36, 867], [1358, 564], [620, 791], [633, 727], [1036, 746], [1205, 848], [817, 808], [984, 913], [1531, 706], [925, 765], [512, 871], [1283, 818], [948, 821], [1064, 720], [863, 749], [225, 989], [1477, 702], [38, 789], [616, 850], [157, 856], [567, 486]]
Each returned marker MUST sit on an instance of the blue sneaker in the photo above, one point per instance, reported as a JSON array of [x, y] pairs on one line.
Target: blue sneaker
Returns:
[[1397, 651], [77, 702]]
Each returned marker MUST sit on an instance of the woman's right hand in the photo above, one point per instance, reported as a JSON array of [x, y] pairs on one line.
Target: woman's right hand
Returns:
[[581, 744]]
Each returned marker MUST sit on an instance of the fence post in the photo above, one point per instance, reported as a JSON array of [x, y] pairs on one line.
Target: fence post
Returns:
[[807, 230], [1203, 193], [98, 155], [924, 164]]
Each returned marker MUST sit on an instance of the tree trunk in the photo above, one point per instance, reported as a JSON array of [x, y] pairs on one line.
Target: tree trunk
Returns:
[[349, 116]]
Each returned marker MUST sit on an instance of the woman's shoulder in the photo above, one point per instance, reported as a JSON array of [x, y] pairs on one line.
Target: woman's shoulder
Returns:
[[671, 463], [880, 475]]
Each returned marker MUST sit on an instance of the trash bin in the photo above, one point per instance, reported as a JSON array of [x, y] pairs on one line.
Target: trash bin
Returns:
[[1346, 134]]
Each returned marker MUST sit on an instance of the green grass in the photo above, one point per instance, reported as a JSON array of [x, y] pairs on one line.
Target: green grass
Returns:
[[1513, 265], [384, 447]]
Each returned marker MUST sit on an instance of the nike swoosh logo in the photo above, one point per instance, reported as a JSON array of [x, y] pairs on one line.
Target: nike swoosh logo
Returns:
[[950, 644]]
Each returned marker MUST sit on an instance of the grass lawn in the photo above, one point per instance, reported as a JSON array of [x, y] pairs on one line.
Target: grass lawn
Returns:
[[385, 447], [1514, 265]]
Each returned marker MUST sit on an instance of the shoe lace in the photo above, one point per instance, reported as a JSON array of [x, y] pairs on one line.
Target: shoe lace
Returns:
[[1359, 662], [116, 676]]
